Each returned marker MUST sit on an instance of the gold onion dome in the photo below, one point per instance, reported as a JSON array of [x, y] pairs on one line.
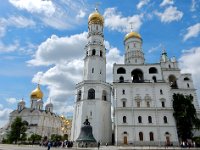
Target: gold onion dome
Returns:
[[131, 35], [37, 93], [95, 18]]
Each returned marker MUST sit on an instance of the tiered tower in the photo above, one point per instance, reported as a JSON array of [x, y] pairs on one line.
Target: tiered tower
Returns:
[[93, 100]]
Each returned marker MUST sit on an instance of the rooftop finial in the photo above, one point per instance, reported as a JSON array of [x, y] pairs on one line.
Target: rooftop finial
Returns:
[[131, 25], [97, 5]]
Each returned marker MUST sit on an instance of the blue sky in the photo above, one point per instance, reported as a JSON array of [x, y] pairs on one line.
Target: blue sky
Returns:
[[44, 40]]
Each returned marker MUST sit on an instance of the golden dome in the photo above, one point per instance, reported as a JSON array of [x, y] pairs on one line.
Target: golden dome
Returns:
[[95, 17], [37, 93], [132, 34]]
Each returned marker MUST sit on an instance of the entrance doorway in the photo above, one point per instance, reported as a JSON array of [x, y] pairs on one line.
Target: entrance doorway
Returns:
[[125, 140]]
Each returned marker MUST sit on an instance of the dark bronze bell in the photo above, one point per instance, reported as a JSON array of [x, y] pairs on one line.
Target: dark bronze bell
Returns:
[[86, 137]]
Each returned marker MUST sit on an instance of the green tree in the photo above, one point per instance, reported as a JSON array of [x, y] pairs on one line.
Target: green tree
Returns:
[[185, 115], [35, 138], [56, 137], [18, 129]]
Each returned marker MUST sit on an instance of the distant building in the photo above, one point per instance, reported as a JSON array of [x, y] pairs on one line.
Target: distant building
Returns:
[[142, 93], [40, 121]]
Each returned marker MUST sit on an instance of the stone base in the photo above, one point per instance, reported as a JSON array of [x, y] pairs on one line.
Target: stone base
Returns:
[[85, 144]]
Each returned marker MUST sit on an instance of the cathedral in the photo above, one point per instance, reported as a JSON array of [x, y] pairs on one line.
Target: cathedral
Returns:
[[40, 121], [141, 93]]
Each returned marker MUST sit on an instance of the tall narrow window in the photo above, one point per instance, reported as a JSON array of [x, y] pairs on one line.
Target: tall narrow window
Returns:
[[149, 119], [161, 92], [91, 94], [121, 79], [148, 104], [151, 136], [139, 119], [100, 53], [165, 119], [93, 52], [124, 103], [124, 119], [138, 104], [104, 95], [188, 85], [92, 70], [163, 104], [154, 79], [123, 92], [141, 136], [79, 95]]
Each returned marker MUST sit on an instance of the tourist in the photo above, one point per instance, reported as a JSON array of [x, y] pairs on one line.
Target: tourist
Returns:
[[49, 145]]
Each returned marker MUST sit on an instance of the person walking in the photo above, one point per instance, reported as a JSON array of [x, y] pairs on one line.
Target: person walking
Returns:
[[98, 145], [49, 145]]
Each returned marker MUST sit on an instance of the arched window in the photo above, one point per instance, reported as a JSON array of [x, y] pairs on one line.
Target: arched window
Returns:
[[172, 81], [101, 54], [141, 136], [151, 136], [186, 79], [91, 94], [93, 52], [188, 85], [124, 103], [169, 66], [79, 95], [161, 92], [121, 79], [137, 76], [124, 119], [149, 119], [165, 119], [123, 91], [121, 70], [92, 70], [104, 95], [152, 70], [139, 119], [154, 79], [163, 104]]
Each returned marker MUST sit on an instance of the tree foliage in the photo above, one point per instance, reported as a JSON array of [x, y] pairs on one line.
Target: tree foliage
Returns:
[[185, 115], [18, 130], [56, 137], [35, 138]]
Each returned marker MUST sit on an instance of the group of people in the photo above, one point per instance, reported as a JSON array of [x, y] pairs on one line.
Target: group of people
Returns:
[[63, 144]]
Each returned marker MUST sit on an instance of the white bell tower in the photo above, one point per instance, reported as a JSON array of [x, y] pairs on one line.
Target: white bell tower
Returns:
[[93, 99]]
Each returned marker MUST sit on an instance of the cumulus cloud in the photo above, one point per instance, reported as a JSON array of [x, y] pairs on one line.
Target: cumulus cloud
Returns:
[[170, 14], [142, 3], [57, 14], [67, 69], [115, 21], [166, 2], [60, 49], [192, 31], [189, 63], [36, 6], [11, 100], [4, 115]]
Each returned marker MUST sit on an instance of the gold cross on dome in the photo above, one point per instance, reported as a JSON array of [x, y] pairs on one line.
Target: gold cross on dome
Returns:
[[97, 5], [131, 25]]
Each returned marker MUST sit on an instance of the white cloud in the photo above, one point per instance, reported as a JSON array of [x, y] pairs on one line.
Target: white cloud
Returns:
[[115, 21], [64, 49], [189, 63], [142, 3], [35, 6], [166, 2], [192, 31], [4, 115], [11, 100], [9, 48], [81, 14], [170, 14], [14, 21], [62, 77], [153, 49], [56, 14]]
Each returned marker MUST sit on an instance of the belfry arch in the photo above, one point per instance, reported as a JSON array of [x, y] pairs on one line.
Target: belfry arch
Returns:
[[172, 81], [137, 76]]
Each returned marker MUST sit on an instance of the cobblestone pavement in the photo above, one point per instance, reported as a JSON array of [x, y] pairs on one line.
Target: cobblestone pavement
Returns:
[[29, 147]]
